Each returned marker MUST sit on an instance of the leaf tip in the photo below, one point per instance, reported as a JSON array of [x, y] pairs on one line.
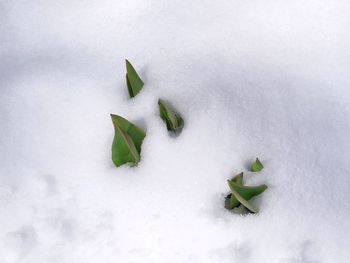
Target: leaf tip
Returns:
[[257, 166], [114, 117], [133, 81]]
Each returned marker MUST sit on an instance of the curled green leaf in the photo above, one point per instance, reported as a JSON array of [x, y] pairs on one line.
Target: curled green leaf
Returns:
[[242, 194], [230, 200], [173, 120], [133, 81], [256, 166], [128, 138]]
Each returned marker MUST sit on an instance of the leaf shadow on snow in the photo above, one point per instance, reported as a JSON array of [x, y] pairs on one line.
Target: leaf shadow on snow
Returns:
[[140, 122], [143, 72]]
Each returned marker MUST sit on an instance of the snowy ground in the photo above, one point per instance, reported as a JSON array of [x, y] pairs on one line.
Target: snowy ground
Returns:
[[263, 78]]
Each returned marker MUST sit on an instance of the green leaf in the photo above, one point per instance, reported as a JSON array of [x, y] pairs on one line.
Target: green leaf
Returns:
[[238, 179], [133, 81], [128, 138], [244, 193], [173, 120], [247, 192], [256, 166], [244, 202], [230, 200]]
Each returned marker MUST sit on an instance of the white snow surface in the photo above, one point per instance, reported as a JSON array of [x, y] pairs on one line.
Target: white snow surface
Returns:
[[266, 78]]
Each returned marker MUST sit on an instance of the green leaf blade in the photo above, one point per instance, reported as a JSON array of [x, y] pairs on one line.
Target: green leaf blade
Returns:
[[231, 202], [244, 202], [238, 179], [173, 120], [257, 166], [247, 192], [123, 149], [133, 80], [242, 194], [131, 92], [128, 138]]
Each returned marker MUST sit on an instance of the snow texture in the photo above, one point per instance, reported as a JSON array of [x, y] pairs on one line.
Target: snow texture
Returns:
[[266, 78]]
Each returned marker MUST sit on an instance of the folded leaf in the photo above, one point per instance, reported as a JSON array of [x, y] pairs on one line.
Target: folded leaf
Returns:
[[133, 81], [230, 200], [244, 202], [247, 192], [244, 193], [173, 120], [128, 138], [238, 179], [256, 166]]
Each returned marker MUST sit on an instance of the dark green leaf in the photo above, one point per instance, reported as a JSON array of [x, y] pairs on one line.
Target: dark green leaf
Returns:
[[173, 120], [126, 147], [256, 166], [231, 202], [133, 81]]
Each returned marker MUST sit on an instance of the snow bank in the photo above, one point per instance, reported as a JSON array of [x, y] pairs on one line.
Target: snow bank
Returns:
[[251, 78]]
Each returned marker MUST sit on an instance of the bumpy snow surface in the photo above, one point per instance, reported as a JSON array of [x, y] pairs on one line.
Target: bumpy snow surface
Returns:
[[251, 78]]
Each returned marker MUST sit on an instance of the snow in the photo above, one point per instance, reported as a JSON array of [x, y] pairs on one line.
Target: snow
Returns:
[[259, 78]]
